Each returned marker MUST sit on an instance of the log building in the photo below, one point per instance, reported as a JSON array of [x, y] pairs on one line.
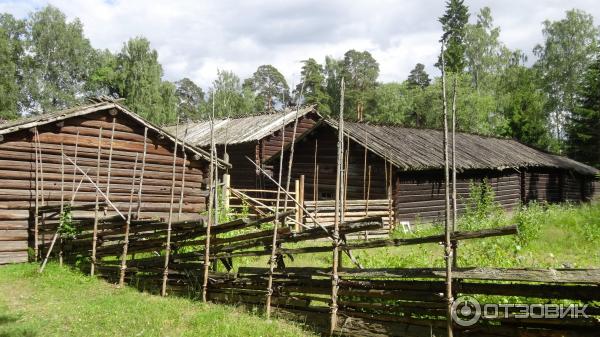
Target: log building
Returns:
[[406, 164], [256, 137], [32, 172]]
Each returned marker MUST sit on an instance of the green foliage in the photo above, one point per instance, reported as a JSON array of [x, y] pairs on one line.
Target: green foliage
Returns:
[[393, 103], [418, 77], [190, 96], [481, 208], [522, 104], [230, 97], [139, 81], [9, 91], [333, 75], [313, 83], [529, 219], [66, 228], [568, 50], [453, 23], [360, 71], [57, 61], [269, 86], [584, 126]]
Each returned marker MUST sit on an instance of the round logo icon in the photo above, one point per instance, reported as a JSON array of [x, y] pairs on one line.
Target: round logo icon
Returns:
[[466, 311]]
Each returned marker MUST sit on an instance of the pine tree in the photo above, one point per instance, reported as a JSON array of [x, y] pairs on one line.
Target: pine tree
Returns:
[[453, 23], [313, 84], [418, 77]]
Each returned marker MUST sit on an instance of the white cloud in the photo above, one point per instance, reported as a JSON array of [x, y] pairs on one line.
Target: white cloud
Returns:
[[195, 38]]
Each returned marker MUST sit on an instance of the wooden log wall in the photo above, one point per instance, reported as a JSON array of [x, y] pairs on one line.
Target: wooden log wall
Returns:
[[272, 144], [244, 175], [544, 185], [17, 175], [324, 142], [419, 196]]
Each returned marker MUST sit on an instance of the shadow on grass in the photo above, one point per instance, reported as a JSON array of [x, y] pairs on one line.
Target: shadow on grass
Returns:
[[6, 319]]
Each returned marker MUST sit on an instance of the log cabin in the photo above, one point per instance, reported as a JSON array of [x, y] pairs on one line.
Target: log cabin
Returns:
[[257, 137], [104, 135], [406, 165]]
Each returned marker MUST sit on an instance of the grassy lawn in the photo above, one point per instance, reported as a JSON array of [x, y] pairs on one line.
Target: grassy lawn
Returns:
[[550, 236], [62, 302]]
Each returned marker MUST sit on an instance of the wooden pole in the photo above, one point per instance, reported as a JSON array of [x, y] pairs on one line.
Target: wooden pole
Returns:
[[75, 160], [345, 181], [297, 208], [390, 196], [365, 167], [447, 243], [272, 257], [127, 226], [97, 187], [36, 238], [338, 214], [453, 151], [57, 232], [368, 197], [95, 230], [301, 201], [62, 198], [110, 152], [183, 167], [42, 197], [209, 206], [226, 190], [139, 205], [316, 179], [163, 291]]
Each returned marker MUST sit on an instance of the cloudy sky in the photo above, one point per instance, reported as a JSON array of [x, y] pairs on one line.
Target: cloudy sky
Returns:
[[195, 38]]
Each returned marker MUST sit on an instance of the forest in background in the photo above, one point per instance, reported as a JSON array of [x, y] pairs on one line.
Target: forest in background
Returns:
[[552, 102]]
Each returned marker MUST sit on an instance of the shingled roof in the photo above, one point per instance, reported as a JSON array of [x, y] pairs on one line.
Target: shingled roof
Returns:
[[421, 149], [238, 130], [46, 118]]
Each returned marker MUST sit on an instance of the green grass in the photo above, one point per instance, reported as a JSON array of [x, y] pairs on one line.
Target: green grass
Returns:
[[550, 236], [62, 302]]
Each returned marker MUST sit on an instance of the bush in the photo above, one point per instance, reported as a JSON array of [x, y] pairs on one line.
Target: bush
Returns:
[[529, 219], [481, 209]]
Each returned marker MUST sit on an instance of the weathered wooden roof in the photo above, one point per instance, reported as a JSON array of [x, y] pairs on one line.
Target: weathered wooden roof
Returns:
[[33, 121], [421, 149], [238, 130]]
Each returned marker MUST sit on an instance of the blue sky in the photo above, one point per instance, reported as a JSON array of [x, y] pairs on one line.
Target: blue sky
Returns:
[[195, 38]]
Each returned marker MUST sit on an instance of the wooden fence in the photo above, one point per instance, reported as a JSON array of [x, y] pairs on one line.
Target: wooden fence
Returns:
[[260, 202], [370, 302]]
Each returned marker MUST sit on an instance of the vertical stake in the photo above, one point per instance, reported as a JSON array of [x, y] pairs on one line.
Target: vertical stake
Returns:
[[127, 226], [339, 193], [183, 166], [163, 289], [95, 230], [211, 196], [37, 198], [139, 205], [447, 243], [62, 198], [275, 226]]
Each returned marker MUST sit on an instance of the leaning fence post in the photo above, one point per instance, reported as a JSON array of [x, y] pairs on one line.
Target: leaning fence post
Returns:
[[297, 208], [127, 226], [339, 211], [226, 191], [301, 202], [95, 230]]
